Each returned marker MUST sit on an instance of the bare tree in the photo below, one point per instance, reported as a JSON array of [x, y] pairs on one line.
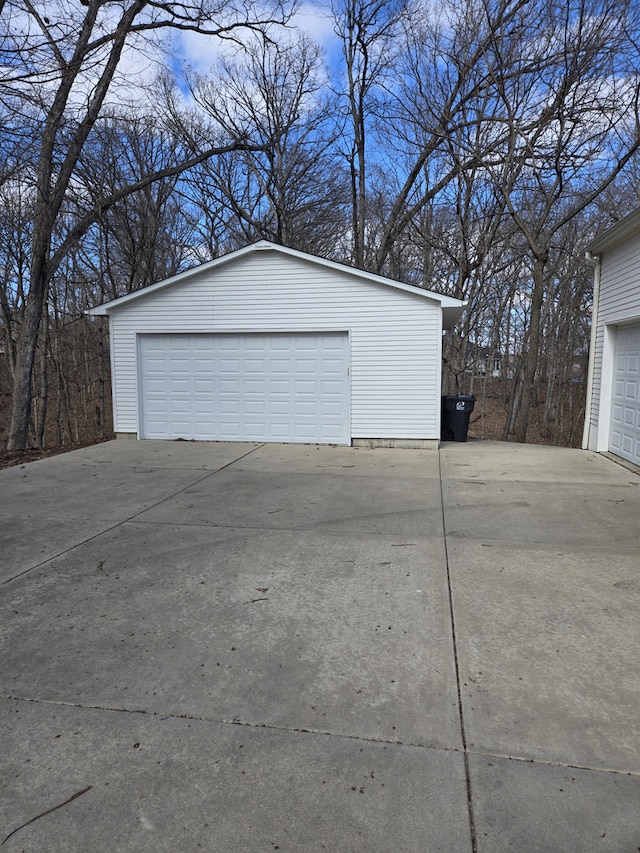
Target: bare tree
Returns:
[[289, 191], [439, 119], [15, 228], [145, 236], [573, 125], [63, 69], [368, 30]]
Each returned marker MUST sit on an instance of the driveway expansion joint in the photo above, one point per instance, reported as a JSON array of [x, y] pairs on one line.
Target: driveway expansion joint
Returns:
[[456, 660]]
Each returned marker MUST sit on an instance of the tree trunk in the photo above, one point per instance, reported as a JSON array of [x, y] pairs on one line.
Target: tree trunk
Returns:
[[514, 408], [7, 321], [43, 398], [531, 360], [25, 358]]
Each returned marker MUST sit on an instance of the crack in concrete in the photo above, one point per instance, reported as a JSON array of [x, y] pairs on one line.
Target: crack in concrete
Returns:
[[162, 716]]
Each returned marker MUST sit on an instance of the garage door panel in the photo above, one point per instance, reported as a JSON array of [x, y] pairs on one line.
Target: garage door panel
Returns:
[[625, 406], [279, 367], [182, 410], [228, 408], [253, 387], [203, 367], [281, 343], [156, 362], [255, 432], [307, 365], [305, 409], [305, 397], [331, 386], [279, 432], [181, 362]]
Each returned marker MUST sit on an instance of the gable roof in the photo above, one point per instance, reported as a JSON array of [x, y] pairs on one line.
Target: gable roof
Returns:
[[627, 227], [451, 308]]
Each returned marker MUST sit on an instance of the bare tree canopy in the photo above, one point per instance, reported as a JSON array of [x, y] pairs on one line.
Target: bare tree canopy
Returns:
[[61, 61], [468, 146]]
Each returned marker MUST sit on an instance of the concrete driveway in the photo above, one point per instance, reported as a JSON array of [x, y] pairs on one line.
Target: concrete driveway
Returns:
[[236, 647]]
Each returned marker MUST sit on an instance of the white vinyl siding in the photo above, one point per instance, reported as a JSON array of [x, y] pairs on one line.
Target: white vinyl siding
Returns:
[[394, 335], [619, 305], [249, 387]]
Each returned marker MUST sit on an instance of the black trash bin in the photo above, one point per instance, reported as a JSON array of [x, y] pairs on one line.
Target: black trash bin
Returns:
[[456, 410]]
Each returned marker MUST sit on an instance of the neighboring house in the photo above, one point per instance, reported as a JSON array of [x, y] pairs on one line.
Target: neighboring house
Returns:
[[271, 344], [483, 361], [612, 420]]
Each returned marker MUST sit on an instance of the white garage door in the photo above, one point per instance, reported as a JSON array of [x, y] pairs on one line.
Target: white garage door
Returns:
[[625, 412], [245, 387]]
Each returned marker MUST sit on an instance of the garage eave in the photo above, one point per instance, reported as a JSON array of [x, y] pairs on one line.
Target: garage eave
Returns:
[[618, 233], [451, 315]]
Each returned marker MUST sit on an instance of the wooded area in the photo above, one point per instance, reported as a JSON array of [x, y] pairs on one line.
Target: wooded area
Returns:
[[471, 147]]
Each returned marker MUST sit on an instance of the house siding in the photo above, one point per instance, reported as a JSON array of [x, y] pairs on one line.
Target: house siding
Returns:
[[619, 303], [394, 335]]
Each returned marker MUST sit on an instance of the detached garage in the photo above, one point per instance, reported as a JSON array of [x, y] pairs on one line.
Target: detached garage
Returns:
[[271, 344], [612, 420]]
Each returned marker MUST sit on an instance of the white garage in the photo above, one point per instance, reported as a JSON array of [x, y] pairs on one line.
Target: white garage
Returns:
[[612, 421], [271, 344]]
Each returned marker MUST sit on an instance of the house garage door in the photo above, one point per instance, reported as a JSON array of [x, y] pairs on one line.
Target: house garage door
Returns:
[[245, 387], [625, 412]]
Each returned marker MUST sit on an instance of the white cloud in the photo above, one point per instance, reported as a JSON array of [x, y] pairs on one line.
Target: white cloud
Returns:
[[199, 53], [314, 19]]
